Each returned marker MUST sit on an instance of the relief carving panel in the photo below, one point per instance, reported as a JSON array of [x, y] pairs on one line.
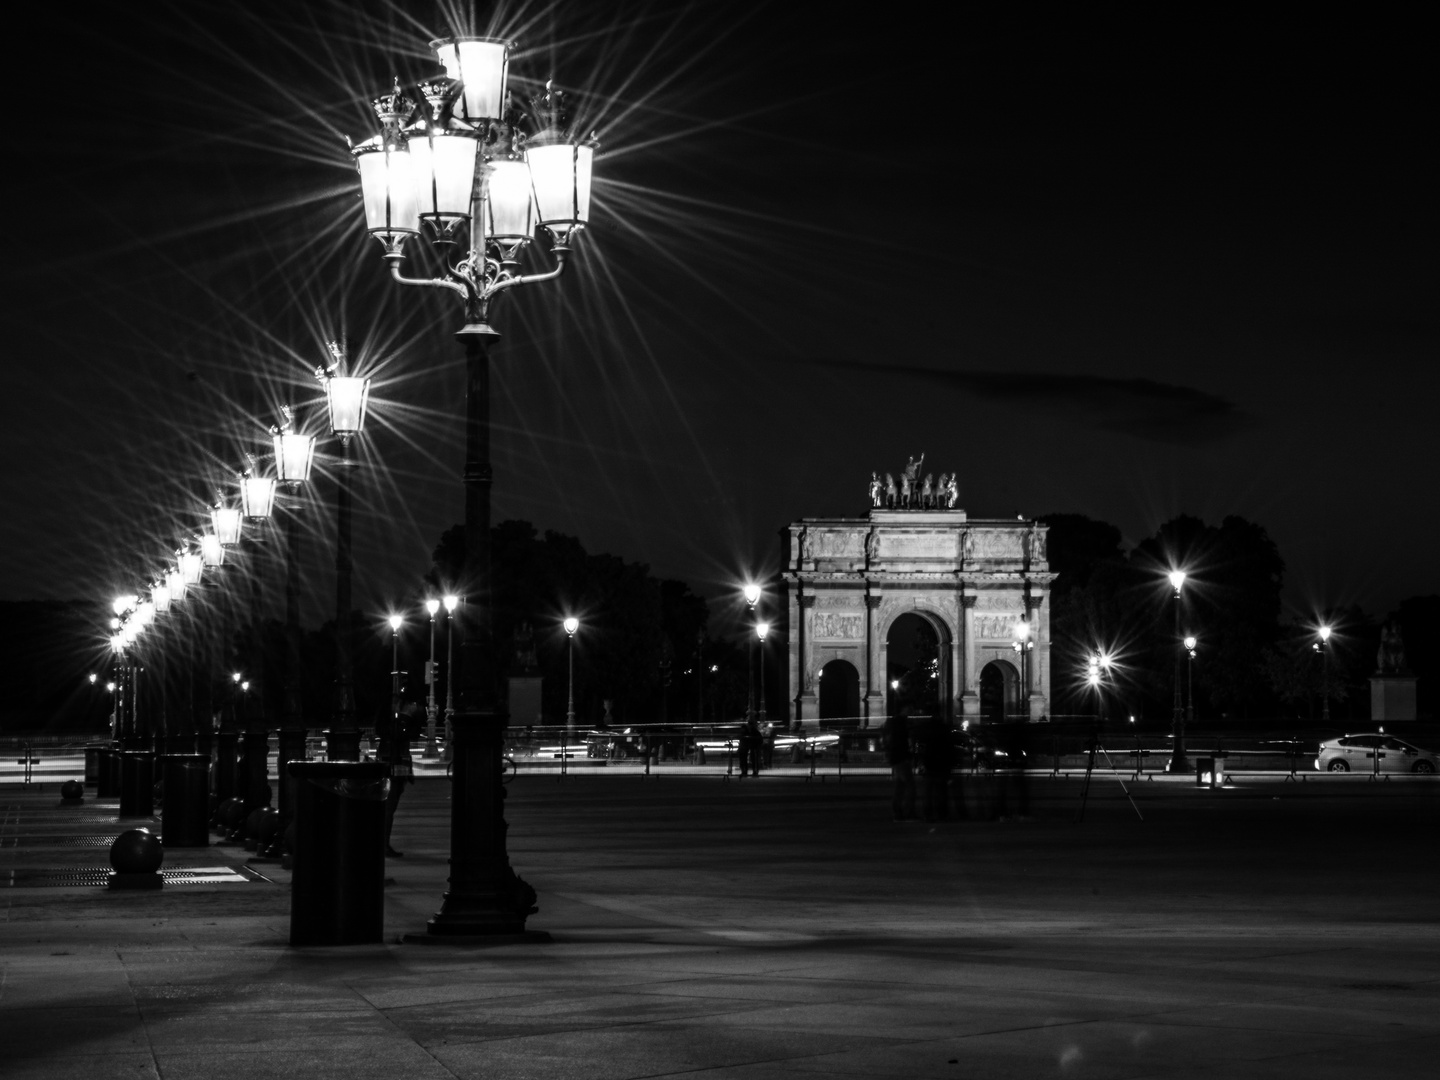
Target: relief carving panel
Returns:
[[847, 627]]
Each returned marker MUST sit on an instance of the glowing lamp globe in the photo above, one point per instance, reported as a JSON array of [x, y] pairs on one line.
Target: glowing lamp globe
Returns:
[[571, 625], [226, 521], [1190, 643], [560, 175], [443, 163], [509, 202], [761, 629], [144, 614], [480, 65], [346, 398], [1022, 630], [451, 603], [191, 567], [752, 594], [175, 582], [294, 454], [395, 622], [123, 603], [1177, 579], [257, 496], [212, 552], [1325, 633], [432, 606]]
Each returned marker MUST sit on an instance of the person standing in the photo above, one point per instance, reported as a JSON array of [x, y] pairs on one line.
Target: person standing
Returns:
[[902, 767], [750, 746], [395, 751]]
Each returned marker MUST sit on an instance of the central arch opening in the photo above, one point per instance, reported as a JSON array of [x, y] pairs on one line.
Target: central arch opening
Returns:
[[914, 672]]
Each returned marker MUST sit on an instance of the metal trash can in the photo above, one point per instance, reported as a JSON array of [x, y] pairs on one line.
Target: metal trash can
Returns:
[[92, 765], [137, 783], [185, 820], [337, 894], [108, 785]]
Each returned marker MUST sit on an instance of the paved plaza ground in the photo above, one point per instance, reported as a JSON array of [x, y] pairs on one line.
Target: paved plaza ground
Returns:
[[771, 928]]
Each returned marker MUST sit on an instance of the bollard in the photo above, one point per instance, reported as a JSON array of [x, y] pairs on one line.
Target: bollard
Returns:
[[136, 856], [137, 783]]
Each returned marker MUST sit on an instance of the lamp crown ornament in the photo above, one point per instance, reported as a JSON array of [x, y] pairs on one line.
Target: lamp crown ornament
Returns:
[[438, 90], [393, 109]]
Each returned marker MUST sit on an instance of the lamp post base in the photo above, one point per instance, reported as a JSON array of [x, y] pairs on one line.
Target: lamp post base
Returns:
[[486, 897], [1179, 764]]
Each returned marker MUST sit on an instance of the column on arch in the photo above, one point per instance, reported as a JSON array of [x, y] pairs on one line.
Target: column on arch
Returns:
[[802, 658], [1037, 614], [970, 687], [874, 674]]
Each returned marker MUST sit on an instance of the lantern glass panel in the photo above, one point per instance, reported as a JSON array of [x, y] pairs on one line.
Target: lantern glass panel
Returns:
[[444, 166], [257, 496], [145, 614], [212, 552], [161, 595], [481, 65], [226, 520], [293, 454], [191, 566], [387, 184], [560, 174], [347, 397], [175, 582], [509, 201]]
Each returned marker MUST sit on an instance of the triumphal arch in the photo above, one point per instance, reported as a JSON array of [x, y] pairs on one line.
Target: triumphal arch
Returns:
[[974, 582]]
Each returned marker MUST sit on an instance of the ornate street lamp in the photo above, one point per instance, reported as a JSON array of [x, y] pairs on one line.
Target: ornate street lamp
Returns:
[[294, 455], [1190, 643], [346, 397], [1323, 647], [467, 168], [571, 624], [191, 565], [257, 494], [395, 621], [227, 522], [1179, 763], [751, 592]]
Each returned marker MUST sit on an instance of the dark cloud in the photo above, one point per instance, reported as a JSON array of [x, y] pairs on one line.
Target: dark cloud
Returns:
[[1143, 408]]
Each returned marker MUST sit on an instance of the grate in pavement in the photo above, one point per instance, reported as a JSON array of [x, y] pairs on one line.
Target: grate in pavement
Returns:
[[54, 877]]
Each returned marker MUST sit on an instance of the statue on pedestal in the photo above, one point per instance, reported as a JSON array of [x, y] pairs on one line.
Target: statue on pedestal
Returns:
[[875, 489], [952, 490], [1391, 658]]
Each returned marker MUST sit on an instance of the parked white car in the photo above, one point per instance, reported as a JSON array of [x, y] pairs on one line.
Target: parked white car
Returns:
[[1358, 753]]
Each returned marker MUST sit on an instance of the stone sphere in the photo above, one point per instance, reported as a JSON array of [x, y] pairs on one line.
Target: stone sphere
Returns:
[[136, 851], [72, 791], [231, 812]]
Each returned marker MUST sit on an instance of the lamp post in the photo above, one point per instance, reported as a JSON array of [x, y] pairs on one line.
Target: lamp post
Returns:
[[257, 504], [1022, 646], [761, 630], [1179, 763], [396, 621], [752, 597], [1323, 647], [294, 455], [571, 625], [431, 751], [346, 397], [466, 168], [451, 603], [1190, 643]]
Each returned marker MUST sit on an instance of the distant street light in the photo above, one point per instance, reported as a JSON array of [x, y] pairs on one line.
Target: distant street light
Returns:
[[571, 624], [1179, 763], [396, 621], [451, 603], [1190, 643], [1023, 645], [761, 630], [1323, 645], [431, 750], [751, 592]]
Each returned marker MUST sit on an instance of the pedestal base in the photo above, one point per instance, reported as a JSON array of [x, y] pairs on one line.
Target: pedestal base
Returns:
[[1392, 698], [153, 880]]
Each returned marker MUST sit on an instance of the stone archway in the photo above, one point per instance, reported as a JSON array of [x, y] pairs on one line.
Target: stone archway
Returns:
[[839, 691], [999, 691], [917, 646]]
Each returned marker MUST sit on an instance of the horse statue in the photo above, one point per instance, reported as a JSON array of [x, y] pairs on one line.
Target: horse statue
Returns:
[[892, 496], [927, 492], [907, 489]]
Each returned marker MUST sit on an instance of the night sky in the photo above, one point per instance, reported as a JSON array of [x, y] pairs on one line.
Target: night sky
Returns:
[[1102, 264]]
